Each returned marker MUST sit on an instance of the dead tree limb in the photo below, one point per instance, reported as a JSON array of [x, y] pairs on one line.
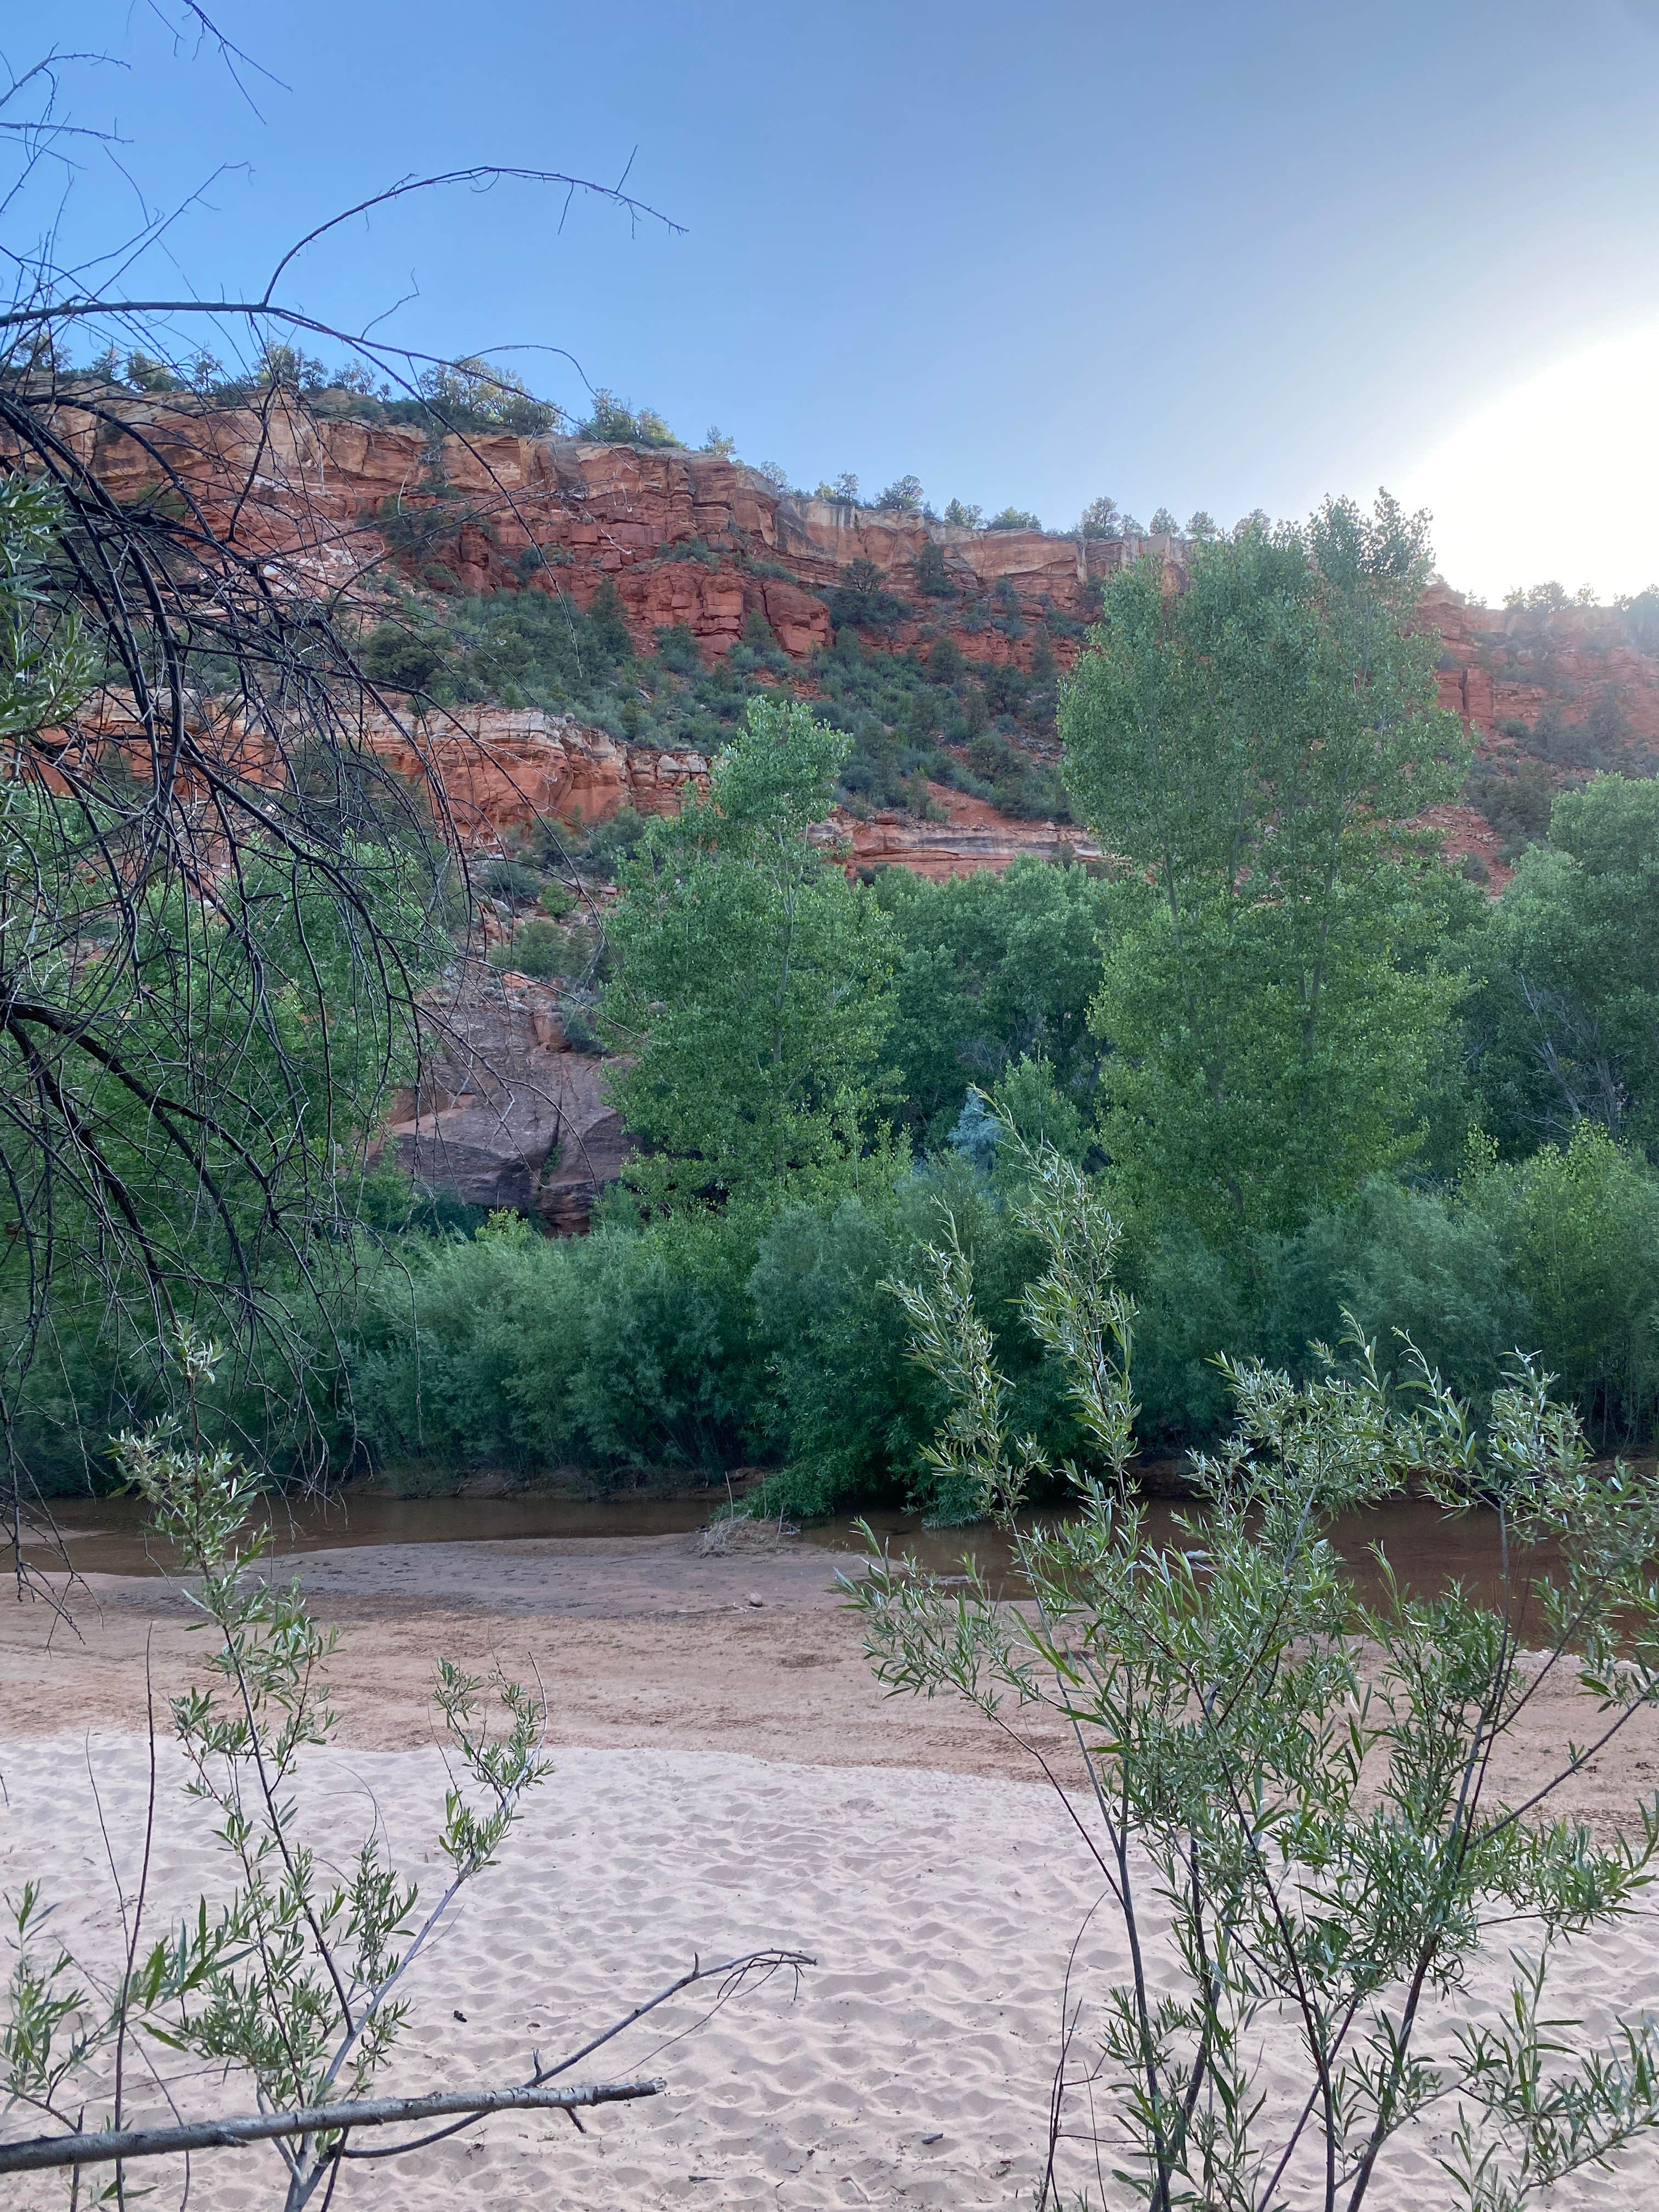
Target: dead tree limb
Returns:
[[104, 2146]]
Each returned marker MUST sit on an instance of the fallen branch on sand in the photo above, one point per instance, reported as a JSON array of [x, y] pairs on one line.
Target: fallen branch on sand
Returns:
[[102, 2147]]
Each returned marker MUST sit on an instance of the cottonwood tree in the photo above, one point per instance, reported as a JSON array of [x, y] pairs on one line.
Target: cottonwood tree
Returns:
[[753, 984], [1291, 1776], [1256, 745]]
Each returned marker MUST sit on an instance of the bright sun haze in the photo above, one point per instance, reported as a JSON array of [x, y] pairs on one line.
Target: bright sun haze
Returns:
[[1559, 478]]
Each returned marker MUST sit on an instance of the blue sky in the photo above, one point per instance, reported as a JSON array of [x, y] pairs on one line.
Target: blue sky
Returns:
[[1228, 255]]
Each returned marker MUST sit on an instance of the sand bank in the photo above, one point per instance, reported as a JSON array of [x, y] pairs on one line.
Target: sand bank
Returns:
[[728, 1776]]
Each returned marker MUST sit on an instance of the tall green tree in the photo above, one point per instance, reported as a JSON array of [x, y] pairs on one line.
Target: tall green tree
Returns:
[[753, 986], [1256, 746]]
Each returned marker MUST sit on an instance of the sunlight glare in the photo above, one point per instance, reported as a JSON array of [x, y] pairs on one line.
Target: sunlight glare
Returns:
[[1559, 478]]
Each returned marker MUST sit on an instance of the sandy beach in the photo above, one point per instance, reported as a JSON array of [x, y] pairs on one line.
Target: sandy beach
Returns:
[[726, 1777]]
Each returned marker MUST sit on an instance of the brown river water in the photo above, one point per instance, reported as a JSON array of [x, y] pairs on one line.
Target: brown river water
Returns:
[[1426, 1548]]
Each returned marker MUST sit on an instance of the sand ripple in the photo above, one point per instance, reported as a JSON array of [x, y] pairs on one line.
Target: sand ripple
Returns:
[[912, 2069]]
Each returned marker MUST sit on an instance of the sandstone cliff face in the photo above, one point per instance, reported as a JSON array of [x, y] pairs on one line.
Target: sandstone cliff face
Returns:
[[687, 537], [503, 769], [1514, 665], [506, 1115], [970, 838], [692, 539]]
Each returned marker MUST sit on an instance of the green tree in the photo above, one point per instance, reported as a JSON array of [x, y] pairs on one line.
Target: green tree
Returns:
[[481, 394], [607, 627], [1565, 1026], [901, 496], [932, 577], [1101, 519], [1256, 745], [753, 983], [991, 968], [613, 422], [861, 600]]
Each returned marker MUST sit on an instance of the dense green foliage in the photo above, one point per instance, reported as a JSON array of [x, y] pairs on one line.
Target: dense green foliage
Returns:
[[704, 1345], [1566, 1023], [1255, 744], [752, 984], [991, 969]]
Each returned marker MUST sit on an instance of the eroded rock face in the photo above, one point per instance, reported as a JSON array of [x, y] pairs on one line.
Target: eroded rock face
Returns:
[[695, 539], [969, 838], [507, 1116], [686, 538], [1510, 665], [504, 767]]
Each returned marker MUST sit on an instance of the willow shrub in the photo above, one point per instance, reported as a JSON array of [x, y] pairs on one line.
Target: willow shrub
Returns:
[[1557, 1254], [517, 1350], [1292, 1786]]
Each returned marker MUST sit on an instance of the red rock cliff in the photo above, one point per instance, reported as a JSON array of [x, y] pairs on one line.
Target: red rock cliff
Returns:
[[695, 539]]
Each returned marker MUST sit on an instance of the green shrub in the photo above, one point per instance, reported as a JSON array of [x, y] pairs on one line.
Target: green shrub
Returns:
[[850, 1410], [932, 575], [509, 879], [402, 659], [538, 948], [1580, 1227], [666, 1377], [610, 843], [523, 1351], [861, 600]]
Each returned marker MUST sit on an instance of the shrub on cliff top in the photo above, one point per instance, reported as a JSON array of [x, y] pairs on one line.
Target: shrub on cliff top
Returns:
[[479, 395], [903, 496], [613, 422]]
